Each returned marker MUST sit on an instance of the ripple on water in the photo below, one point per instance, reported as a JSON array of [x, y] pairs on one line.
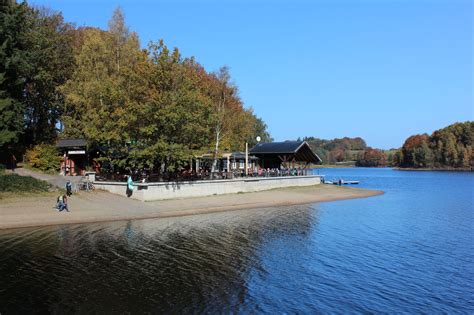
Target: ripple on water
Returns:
[[409, 250]]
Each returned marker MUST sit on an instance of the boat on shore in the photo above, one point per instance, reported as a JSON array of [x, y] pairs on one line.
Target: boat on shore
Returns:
[[341, 182]]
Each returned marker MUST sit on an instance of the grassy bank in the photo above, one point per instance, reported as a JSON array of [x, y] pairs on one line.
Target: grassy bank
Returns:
[[13, 185]]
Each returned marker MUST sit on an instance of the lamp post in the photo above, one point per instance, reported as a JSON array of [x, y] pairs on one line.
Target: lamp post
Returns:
[[247, 155], [246, 159]]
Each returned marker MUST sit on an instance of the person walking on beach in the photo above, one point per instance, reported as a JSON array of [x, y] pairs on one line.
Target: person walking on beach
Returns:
[[68, 188], [129, 186]]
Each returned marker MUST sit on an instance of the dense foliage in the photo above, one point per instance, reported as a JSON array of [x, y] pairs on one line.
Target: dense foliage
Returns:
[[36, 57], [140, 107], [16, 183], [44, 157], [337, 150], [371, 158], [450, 147]]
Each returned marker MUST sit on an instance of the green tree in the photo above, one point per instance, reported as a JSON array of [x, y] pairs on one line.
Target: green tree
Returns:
[[450, 153], [49, 41], [14, 66]]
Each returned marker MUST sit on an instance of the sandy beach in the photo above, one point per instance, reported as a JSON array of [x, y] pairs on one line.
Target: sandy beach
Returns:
[[102, 206]]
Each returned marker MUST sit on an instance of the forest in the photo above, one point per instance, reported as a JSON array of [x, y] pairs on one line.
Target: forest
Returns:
[[347, 151], [144, 107], [448, 148]]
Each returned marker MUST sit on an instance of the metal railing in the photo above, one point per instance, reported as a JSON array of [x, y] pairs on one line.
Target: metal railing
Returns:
[[204, 175]]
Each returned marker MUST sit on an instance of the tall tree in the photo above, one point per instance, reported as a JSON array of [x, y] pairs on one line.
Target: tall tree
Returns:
[[222, 91], [35, 58], [50, 48], [119, 35], [14, 66]]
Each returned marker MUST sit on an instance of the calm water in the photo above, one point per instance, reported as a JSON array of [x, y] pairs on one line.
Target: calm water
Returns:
[[409, 250]]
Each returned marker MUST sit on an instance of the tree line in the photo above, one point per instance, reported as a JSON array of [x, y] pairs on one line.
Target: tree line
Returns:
[[449, 147], [346, 150], [140, 107]]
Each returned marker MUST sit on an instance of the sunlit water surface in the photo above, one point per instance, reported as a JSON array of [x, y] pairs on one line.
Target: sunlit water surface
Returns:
[[409, 250]]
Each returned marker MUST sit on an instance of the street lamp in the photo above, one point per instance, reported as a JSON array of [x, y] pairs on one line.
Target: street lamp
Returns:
[[247, 155]]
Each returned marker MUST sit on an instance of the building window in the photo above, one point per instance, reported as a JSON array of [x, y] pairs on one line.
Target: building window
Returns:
[[242, 164]]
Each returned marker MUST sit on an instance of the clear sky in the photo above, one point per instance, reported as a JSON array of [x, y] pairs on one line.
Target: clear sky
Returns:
[[379, 69]]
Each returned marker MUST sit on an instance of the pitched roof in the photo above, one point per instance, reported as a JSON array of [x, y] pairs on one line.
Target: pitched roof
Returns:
[[300, 149], [241, 155], [66, 143], [277, 147]]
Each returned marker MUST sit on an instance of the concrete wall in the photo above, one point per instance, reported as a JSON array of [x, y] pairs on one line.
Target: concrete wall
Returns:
[[173, 190]]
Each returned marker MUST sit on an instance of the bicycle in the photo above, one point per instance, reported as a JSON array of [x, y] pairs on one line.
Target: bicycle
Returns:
[[86, 186]]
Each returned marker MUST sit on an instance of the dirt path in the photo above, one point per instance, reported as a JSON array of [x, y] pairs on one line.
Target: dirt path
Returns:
[[102, 206], [55, 180]]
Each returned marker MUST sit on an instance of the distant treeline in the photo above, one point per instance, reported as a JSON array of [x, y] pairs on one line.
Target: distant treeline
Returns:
[[447, 148], [346, 150], [450, 147], [141, 107]]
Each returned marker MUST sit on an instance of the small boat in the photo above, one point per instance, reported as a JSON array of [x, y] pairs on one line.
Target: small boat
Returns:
[[351, 182], [342, 182]]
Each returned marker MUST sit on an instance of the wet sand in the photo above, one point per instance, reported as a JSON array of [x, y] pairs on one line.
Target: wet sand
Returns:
[[101, 206]]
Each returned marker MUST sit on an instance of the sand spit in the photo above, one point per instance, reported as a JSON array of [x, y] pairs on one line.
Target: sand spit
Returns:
[[101, 206]]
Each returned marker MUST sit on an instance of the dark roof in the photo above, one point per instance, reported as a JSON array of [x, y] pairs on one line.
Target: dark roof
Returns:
[[277, 147], [66, 143], [300, 149], [241, 155]]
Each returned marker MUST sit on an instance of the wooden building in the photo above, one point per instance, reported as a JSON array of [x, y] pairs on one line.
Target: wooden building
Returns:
[[74, 156], [288, 154], [226, 162]]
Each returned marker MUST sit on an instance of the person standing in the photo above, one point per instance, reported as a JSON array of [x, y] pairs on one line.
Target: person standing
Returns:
[[129, 186], [68, 188]]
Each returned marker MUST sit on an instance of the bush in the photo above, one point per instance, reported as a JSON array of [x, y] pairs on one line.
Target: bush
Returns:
[[2, 169], [44, 157], [16, 183]]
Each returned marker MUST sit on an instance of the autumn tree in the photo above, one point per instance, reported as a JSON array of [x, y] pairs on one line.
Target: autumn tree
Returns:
[[106, 90], [447, 147], [372, 158], [150, 108]]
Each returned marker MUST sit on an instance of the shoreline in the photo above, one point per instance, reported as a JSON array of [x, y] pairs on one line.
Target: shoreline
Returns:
[[95, 207], [434, 169]]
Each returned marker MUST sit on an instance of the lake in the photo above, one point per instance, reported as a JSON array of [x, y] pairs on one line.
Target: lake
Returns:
[[410, 250]]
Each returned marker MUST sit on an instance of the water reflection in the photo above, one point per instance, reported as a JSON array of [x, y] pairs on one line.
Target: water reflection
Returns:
[[186, 265]]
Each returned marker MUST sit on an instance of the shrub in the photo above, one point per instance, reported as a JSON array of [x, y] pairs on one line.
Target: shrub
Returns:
[[44, 157], [16, 183], [2, 169]]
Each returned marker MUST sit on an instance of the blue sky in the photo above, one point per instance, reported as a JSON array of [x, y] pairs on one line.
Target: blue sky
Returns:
[[382, 70]]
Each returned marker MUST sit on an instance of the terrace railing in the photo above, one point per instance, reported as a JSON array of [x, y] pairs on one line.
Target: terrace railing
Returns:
[[203, 175]]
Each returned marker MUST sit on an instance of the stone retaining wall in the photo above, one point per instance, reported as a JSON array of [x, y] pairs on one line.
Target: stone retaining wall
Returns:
[[176, 190]]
